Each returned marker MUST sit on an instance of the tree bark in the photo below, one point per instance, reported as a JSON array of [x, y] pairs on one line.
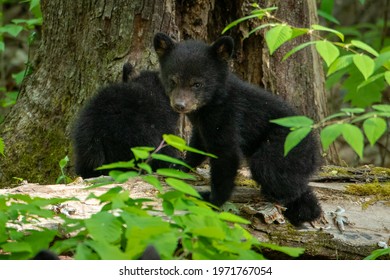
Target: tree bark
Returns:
[[85, 43]]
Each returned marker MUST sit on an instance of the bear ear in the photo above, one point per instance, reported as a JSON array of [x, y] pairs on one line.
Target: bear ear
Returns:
[[162, 44], [223, 47]]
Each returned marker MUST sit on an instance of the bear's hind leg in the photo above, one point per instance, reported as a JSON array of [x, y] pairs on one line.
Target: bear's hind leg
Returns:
[[284, 180]]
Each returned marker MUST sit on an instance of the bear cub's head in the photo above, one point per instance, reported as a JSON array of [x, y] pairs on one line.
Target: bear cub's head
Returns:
[[192, 72]]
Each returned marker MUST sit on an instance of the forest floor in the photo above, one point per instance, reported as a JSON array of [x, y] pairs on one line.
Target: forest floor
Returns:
[[356, 204]]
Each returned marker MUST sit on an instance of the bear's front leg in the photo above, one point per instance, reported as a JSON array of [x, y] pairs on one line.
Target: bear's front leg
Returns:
[[223, 173]]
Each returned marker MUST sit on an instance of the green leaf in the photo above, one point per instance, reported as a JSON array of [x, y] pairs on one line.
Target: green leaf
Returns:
[[351, 111], [167, 172], [365, 47], [104, 227], [63, 162], [328, 51], [145, 167], [340, 63], [294, 121], [365, 64], [226, 216], [382, 108], [166, 158], [323, 28], [141, 152], [277, 36], [180, 144], [370, 80], [329, 134], [106, 251], [11, 29], [297, 48], [257, 28], [327, 16], [294, 138], [374, 128], [387, 77], [154, 182], [293, 252], [234, 23], [2, 146], [118, 165], [354, 137], [122, 177], [182, 186]]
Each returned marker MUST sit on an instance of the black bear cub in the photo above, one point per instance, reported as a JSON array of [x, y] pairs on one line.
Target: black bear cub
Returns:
[[231, 119], [120, 116]]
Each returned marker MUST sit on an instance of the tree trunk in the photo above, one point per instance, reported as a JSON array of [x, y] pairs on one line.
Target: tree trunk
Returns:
[[85, 43]]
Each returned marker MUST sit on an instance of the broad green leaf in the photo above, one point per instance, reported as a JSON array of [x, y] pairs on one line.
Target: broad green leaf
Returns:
[[297, 48], [145, 167], [106, 251], [182, 186], [11, 29], [296, 32], [327, 16], [104, 227], [154, 182], [365, 64], [180, 144], [323, 28], [383, 60], [374, 128], [328, 51], [365, 47], [167, 172], [173, 160], [294, 121], [354, 137], [329, 134], [382, 107], [387, 77], [122, 177], [294, 138], [277, 36], [340, 63], [370, 80], [2, 46], [226, 216], [17, 247], [141, 152]]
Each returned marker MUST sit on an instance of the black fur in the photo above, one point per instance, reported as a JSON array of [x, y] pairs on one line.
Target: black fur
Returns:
[[133, 113], [231, 119]]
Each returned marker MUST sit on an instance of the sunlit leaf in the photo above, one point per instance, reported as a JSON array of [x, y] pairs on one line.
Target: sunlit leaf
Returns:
[[294, 138], [374, 128], [328, 51], [277, 36], [365, 64], [365, 47]]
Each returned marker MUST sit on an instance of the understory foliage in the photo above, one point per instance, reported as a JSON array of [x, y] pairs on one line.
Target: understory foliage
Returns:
[[185, 227], [362, 71]]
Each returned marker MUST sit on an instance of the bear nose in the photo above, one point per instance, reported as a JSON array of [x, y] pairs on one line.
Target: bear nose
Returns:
[[179, 105]]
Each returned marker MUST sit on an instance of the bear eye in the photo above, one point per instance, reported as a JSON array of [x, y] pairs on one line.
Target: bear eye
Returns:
[[197, 85]]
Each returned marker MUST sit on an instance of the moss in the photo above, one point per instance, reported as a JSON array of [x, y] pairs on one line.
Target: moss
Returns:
[[375, 191], [36, 160], [329, 171]]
